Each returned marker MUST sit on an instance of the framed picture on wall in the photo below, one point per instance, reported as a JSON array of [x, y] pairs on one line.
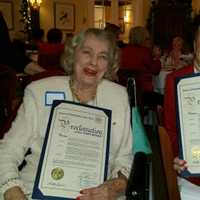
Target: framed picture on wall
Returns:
[[6, 8], [64, 16]]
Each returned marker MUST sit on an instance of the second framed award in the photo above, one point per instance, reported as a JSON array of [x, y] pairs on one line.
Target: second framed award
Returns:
[[188, 106]]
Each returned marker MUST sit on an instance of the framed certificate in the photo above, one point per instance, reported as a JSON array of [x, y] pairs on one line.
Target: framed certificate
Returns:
[[75, 151], [188, 104]]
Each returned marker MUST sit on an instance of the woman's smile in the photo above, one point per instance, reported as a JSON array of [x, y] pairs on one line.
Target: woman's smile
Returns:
[[89, 72]]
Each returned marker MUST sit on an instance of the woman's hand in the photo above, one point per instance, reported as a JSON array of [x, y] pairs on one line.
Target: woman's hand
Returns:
[[14, 193], [109, 190], [180, 165]]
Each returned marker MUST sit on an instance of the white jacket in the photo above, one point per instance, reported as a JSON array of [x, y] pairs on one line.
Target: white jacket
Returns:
[[29, 127]]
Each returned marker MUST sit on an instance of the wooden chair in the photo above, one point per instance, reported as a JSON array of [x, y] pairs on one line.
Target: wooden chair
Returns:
[[159, 185], [167, 159]]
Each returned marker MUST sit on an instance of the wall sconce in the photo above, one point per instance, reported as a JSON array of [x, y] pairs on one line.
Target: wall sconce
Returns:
[[35, 3], [126, 17], [126, 13]]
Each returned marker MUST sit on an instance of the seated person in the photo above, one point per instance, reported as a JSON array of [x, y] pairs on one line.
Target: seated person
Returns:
[[170, 101], [138, 59], [33, 68], [116, 31], [91, 62], [20, 58], [176, 58], [8, 85], [12, 54], [36, 39], [49, 52], [5, 43]]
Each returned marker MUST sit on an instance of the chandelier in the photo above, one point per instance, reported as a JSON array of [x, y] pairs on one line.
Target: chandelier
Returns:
[[35, 3]]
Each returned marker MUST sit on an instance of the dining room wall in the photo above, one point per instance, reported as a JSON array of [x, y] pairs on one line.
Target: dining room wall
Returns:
[[196, 6], [84, 14], [17, 25]]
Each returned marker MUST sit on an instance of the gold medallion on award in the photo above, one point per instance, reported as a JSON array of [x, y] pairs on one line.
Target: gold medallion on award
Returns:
[[57, 173]]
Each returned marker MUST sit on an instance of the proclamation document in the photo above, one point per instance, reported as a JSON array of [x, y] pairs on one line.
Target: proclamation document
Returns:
[[75, 151], [188, 103]]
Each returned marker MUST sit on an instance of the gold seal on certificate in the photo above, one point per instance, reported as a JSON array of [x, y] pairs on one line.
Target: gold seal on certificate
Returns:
[[75, 151], [57, 173], [196, 154], [188, 106]]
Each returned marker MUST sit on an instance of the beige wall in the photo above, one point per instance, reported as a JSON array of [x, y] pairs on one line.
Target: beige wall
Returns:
[[140, 12], [196, 6], [83, 9], [17, 16], [84, 13]]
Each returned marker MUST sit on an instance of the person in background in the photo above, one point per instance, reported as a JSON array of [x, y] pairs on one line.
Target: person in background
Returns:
[[37, 38], [6, 51], [68, 37], [176, 58], [116, 31], [8, 79], [8, 96], [138, 60], [157, 51], [48, 56], [54, 35], [170, 110], [91, 60], [49, 52], [20, 57]]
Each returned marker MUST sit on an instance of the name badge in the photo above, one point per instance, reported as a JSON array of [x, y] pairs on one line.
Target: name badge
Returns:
[[50, 96]]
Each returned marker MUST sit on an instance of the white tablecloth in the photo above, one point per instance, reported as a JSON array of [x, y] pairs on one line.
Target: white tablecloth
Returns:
[[159, 81]]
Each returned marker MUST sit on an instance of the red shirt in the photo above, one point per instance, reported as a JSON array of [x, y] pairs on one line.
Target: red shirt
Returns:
[[49, 55], [51, 48], [170, 110], [139, 60]]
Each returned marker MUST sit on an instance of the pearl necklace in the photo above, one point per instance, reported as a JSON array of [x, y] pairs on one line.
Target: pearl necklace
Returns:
[[75, 94]]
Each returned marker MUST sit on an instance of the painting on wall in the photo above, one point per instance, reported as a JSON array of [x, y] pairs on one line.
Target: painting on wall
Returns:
[[6, 8], [64, 16]]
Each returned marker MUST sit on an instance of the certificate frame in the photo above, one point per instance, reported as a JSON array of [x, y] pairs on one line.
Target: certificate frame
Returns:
[[64, 16], [187, 100], [37, 192]]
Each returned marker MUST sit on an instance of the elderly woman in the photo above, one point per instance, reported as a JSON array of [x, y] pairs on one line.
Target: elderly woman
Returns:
[[91, 62]]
